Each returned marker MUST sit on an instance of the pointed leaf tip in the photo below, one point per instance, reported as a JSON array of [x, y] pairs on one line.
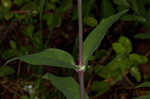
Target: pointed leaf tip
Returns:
[[95, 38], [51, 56]]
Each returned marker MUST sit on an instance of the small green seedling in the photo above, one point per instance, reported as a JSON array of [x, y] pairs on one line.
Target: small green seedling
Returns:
[[124, 62]]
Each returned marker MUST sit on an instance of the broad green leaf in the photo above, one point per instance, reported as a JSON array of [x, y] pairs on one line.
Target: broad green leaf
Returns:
[[145, 84], [51, 56], [96, 36], [67, 85], [5, 71], [143, 97]]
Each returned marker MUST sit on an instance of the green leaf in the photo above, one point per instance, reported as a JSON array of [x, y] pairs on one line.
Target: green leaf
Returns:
[[51, 56], [96, 36], [134, 71], [134, 6], [51, 6], [6, 3], [143, 97], [145, 84], [126, 43], [137, 59], [5, 71], [56, 18], [30, 5], [133, 18], [107, 8], [99, 54], [147, 1], [13, 44], [24, 97], [115, 69], [142, 36], [29, 31], [18, 2], [49, 19], [118, 47], [87, 7], [54, 1], [37, 40], [67, 85], [100, 87], [66, 4], [123, 44], [122, 2], [9, 53], [42, 4], [8, 15], [138, 7], [90, 21]]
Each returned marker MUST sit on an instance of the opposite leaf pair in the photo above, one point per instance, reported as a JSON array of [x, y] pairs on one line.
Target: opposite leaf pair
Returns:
[[60, 58]]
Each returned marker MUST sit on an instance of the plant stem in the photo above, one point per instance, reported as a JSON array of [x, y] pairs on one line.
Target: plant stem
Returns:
[[80, 31], [81, 80], [80, 73]]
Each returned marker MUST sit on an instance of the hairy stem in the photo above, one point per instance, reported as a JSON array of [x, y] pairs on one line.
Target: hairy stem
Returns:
[[80, 73]]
